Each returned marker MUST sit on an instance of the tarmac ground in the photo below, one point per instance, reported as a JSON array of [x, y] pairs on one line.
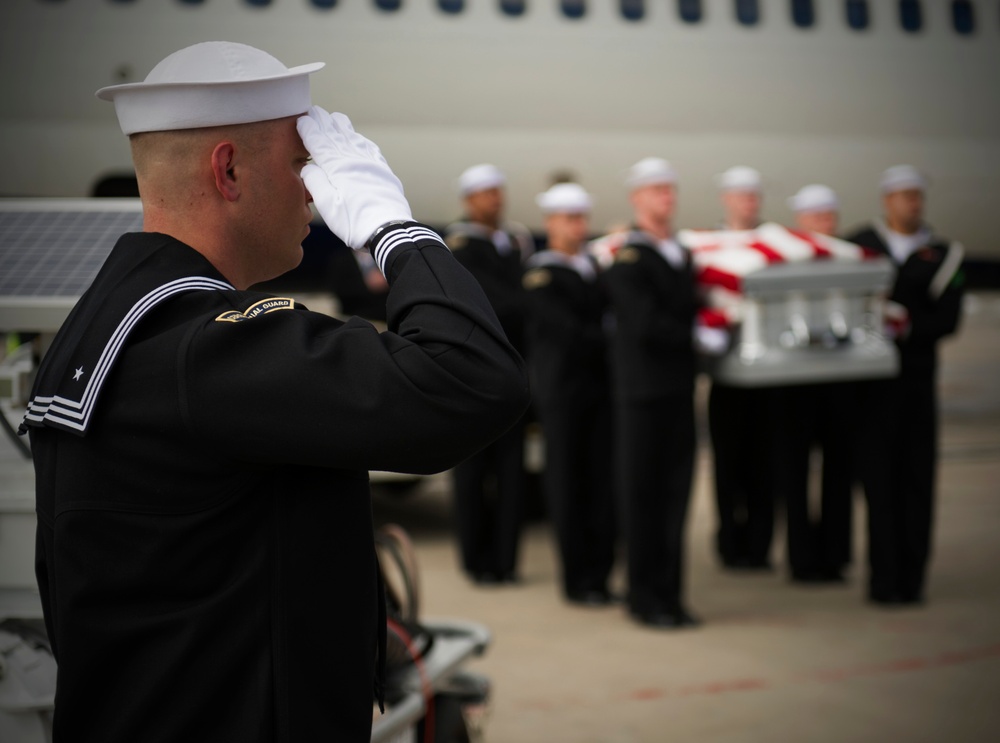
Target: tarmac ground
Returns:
[[773, 661]]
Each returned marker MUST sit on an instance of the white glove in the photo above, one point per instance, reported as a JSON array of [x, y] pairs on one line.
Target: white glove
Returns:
[[712, 341], [351, 184]]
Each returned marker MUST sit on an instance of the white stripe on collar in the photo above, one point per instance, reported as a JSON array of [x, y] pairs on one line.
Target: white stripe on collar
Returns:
[[63, 412]]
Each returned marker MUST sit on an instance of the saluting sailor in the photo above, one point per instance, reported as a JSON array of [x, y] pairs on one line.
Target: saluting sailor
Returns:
[[205, 553], [899, 462], [567, 358], [652, 291], [489, 487]]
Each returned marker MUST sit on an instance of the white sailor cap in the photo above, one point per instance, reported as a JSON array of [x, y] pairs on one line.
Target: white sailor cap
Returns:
[[567, 198], [739, 178], [214, 83], [650, 171], [814, 198], [902, 178], [480, 178]]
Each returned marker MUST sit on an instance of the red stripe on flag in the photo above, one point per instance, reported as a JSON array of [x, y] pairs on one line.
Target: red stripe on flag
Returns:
[[711, 317], [714, 277], [772, 255], [821, 250]]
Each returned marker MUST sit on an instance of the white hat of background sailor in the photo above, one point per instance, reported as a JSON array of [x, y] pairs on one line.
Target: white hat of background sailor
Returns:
[[814, 198], [739, 178], [650, 171], [214, 83], [565, 198], [480, 178], [902, 178]]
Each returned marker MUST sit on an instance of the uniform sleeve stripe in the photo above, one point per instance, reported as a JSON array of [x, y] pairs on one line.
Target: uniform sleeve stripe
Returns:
[[946, 272], [404, 234]]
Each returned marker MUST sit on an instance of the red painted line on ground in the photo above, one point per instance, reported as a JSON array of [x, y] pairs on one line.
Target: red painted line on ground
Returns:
[[899, 665]]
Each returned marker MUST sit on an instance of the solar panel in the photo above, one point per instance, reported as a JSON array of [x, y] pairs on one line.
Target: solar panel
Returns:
[[50, 252]]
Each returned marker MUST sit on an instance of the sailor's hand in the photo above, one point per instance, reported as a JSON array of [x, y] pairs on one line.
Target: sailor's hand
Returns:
[[897, 321], [711, 341], [350, 182]]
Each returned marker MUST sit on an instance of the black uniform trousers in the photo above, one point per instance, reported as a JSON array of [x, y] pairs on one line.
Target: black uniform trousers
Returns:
[[898, 471], [656, 464], [810, 417], [579, 490], [740, 423], [489, 493]]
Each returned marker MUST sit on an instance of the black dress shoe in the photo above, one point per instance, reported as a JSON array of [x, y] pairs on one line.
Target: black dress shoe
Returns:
[[590, 597], [666, 619], [886, 599], [746, 564], [486, 578]]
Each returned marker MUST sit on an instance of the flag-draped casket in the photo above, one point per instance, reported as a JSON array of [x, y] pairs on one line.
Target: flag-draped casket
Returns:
[[799, 307]]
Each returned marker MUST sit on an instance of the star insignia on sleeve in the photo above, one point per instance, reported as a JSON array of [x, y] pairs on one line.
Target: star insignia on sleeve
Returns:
[[77, 374]]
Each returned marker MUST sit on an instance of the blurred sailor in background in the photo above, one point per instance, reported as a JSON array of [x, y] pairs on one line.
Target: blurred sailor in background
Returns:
[[900, 445], [567, 349], [490, 485], [651, 285], [740, 422], [740, 189], [820, 416]]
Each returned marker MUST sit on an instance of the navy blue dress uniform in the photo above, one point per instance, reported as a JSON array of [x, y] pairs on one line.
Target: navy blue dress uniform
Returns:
[[201, 465], [900, 426], [204, 550], [653, 373], [568, 361], [489, 486]]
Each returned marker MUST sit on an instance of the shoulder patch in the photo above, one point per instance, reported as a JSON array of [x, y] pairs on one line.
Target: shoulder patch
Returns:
[[536, 278], [456, 241], [272, 304], [628, 254]]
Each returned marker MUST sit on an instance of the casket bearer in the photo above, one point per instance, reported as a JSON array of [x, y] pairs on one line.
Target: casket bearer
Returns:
[[899, 460]]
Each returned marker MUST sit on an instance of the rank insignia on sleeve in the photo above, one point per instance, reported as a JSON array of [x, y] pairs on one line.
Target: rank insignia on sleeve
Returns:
[[628, 255], [536, 279], [456, 241], [272, 304]]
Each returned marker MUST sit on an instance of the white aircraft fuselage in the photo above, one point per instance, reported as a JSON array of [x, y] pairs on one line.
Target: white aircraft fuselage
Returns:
[[542, 93]]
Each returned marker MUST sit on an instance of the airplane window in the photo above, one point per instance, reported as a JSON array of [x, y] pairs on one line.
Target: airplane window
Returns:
[[192, 2], [451, 6], [632, 10], [324, 4], [513, 7], [689, 10], [803, 13], [573, 8], [963, 17], [910, 16], [857, 14], [389, 6], [748, 12], [258, 3]]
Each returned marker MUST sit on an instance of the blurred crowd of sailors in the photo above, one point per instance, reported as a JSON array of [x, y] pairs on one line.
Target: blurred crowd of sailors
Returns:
[[613, 348]]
